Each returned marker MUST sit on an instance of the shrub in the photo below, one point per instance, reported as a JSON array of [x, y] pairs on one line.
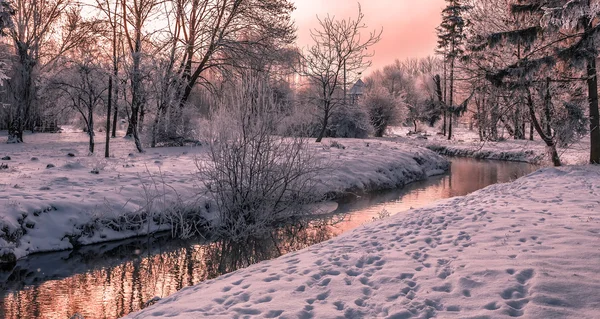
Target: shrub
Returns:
[[349, 121], [382, 110], [256, 178]]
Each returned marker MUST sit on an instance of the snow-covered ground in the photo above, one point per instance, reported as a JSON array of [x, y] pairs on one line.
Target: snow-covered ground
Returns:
[[56, 207], [466, 143], [527, 249]]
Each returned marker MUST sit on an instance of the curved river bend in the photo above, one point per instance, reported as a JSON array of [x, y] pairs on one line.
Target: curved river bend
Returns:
[[113, 279]]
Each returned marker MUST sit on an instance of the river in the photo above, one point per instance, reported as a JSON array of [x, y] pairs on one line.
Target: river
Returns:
[[113, 279]]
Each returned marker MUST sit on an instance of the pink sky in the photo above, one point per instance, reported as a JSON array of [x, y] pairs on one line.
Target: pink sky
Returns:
[[408, 25]]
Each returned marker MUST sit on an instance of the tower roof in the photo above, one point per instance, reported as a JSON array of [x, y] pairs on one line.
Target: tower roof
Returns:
[[358, 88]]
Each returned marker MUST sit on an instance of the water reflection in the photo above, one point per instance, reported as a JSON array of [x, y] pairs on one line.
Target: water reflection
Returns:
[[465, 176], [114, 279]]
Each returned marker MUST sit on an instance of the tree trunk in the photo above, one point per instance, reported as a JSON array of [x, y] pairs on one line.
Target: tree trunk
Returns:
[[451, 98], [324, 128], [450, 127], [115, 115], [90, 127], [23, 96], [592, 82], [136, 99], [142, 117], [155, 129], [531, 131], [547, 109], [14, 134], [108, 114], [445, 122], [441, 97], [517, 125], [479, 118], [91, 135], [550, 144]]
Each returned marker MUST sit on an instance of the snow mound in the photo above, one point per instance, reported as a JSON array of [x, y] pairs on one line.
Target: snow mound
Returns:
[[73, 165], [525, 249]]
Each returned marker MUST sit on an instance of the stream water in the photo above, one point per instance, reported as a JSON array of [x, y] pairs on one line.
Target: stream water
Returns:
[[113, 279]]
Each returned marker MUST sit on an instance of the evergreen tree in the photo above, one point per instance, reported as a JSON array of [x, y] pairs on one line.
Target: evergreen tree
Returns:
[[451, 38], [573, 26]]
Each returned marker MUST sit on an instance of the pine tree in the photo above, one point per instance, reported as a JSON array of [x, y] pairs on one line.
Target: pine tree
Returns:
[[573, 26], [451, 38]]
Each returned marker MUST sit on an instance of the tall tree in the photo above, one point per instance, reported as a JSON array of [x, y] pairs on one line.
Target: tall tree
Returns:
[[451, 38], [338, 49], [135, 16]]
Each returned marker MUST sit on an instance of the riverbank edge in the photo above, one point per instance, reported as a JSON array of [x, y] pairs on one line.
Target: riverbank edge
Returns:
[[413, 164], [528, 156]]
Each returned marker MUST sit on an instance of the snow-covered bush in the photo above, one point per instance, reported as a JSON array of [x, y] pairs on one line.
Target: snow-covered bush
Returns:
[[256, 178], [346, 121], [382, 108], [349, 121], [300, 121]]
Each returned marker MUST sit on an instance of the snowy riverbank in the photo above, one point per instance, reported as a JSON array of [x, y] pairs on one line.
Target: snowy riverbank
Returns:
[[51, 201], [524, 249], [466, 143]]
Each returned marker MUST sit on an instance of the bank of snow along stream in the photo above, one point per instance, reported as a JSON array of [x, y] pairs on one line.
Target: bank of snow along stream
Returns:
[[530, 249], [49, 208]]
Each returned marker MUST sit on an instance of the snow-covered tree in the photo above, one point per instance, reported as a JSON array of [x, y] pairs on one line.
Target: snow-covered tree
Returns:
[[568, 32], [451, 38]]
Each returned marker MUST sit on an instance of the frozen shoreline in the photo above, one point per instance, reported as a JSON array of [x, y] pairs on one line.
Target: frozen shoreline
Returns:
[[528, 248], [50, 209]]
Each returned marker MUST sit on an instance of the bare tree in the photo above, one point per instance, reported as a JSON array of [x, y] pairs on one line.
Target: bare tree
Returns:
[[135, 15], [83, 83], [338, 50]]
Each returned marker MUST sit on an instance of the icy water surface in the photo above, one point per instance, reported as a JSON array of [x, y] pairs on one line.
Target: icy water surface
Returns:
[[113, 279]]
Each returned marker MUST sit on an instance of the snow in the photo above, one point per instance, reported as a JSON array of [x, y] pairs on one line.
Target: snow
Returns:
[[466, 143], [528, 249], [48, 209]]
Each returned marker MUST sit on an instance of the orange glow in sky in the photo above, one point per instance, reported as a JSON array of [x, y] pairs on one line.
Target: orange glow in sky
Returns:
[[408, 25]]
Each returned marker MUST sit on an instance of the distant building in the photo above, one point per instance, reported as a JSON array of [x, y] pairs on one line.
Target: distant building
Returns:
[[356, 92]]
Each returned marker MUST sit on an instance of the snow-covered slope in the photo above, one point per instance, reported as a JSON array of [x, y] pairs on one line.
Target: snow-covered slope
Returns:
[[46, 208], [527, 249]]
